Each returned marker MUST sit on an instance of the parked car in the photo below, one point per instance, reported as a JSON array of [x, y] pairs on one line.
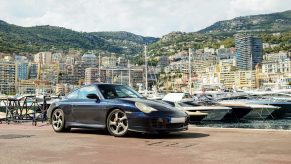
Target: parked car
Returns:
[[117, 108]]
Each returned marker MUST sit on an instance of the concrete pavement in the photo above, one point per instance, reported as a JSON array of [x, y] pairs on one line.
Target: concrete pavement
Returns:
[[24, 143]]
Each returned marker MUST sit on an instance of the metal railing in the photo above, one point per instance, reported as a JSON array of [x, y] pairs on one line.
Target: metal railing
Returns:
[[24, 109]]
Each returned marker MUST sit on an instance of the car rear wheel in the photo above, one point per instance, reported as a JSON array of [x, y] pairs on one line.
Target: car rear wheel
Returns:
[[58, 121], [117, 123]]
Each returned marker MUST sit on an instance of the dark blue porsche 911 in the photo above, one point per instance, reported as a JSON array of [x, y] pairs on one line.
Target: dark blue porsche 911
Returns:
[[117, 108]]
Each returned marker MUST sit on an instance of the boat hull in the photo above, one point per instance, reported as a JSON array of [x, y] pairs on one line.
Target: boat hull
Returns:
[[217, 115], [237, 112], [284, 111], [259, 113], [196, 118]]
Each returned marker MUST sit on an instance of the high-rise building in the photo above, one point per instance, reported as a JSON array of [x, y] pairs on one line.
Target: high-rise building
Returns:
[[25, 87], [200, 61], [56, 57], [245, 79], [62, 89], [227, 73], [89, 60], [50, 73], [43, 57], [79, 70], [109, 61], [33, 71], [279, 66], [22, 71], [19, 58], [249, 51], [122, 62], [276, 56], [70, 60], [7, 80], [91, 75]]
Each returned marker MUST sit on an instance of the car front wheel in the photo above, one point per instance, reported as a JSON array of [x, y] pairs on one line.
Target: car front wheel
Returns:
[[117, 123], [58, 121]]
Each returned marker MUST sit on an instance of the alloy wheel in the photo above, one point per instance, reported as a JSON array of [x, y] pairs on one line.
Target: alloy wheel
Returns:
[[58, 120], [117, 123]]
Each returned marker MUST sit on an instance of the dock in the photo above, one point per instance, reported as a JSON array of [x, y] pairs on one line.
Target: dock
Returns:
[[23, 143]]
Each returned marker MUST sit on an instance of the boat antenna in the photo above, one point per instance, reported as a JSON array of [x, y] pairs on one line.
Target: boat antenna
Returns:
[[190, 73], [99, 71], [129, 76], [146, 70]]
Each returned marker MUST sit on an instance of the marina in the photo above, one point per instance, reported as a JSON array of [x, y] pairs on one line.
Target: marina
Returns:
[[282, 124], [228, 112]]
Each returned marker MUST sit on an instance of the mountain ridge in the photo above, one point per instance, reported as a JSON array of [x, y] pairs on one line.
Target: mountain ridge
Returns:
[[221, 33], [15, 38], [276, 22]]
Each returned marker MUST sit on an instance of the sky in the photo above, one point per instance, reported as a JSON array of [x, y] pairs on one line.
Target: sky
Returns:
[[144, 17]]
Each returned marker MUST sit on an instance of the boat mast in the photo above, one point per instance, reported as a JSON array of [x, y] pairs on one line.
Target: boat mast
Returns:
[[128, 65], [190, 72], [99, 71], [146, 71], [121, 76], [251, 76], [112, 76]]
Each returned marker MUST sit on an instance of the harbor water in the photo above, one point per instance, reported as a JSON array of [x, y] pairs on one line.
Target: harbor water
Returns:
[[280, 124]]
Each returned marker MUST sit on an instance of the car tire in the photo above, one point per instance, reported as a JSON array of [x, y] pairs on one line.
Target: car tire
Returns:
[[164, 133], [117, 123], [58, 121]]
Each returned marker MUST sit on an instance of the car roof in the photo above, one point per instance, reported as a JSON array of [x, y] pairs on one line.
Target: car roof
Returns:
[[100, 84], [95, 84]]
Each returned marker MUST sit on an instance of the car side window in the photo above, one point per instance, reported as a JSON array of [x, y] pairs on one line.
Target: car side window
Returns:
[[122, 92], [107, 91], [73, 95], [87, 90]]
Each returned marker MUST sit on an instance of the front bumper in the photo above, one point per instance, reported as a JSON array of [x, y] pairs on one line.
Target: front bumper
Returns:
[[141, 122]]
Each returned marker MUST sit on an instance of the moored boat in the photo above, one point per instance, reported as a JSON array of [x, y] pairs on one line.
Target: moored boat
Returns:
[[196, 111], [258, 111]]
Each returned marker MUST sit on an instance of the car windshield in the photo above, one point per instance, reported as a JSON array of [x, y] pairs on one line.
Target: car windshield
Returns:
[[117, 91], [188, 104]]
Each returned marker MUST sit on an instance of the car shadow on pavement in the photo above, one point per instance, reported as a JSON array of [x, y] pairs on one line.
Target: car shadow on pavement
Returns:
[[89, 131], [176, 135]]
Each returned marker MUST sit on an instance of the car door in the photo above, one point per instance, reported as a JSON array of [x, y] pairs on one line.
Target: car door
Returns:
[[88, 111], [68, 106]]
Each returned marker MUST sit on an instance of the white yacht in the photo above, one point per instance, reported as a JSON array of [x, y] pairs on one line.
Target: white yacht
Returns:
[[261, 109], [196, 111]]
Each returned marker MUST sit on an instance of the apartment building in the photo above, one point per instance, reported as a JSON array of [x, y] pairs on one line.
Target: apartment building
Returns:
[[8, 77], [22, 71], [91, 75], [43, 57], [249, 51]]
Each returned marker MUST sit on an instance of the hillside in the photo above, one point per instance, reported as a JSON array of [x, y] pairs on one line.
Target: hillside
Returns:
[[275, 22], [39, 38], [221, 33], [33, 39]]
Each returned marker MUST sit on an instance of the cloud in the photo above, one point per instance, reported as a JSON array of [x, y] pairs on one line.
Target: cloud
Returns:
[[145, 17], [251, 7]]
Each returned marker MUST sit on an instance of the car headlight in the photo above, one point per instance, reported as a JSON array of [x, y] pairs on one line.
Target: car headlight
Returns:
[[144, 108]]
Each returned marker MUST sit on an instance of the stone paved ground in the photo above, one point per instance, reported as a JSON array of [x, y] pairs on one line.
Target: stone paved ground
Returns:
[[24, 143]]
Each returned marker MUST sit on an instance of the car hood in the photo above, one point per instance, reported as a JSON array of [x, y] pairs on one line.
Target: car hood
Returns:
[[158, 105]]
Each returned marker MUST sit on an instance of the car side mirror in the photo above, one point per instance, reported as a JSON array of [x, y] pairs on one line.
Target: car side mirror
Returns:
[[92, 96]]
